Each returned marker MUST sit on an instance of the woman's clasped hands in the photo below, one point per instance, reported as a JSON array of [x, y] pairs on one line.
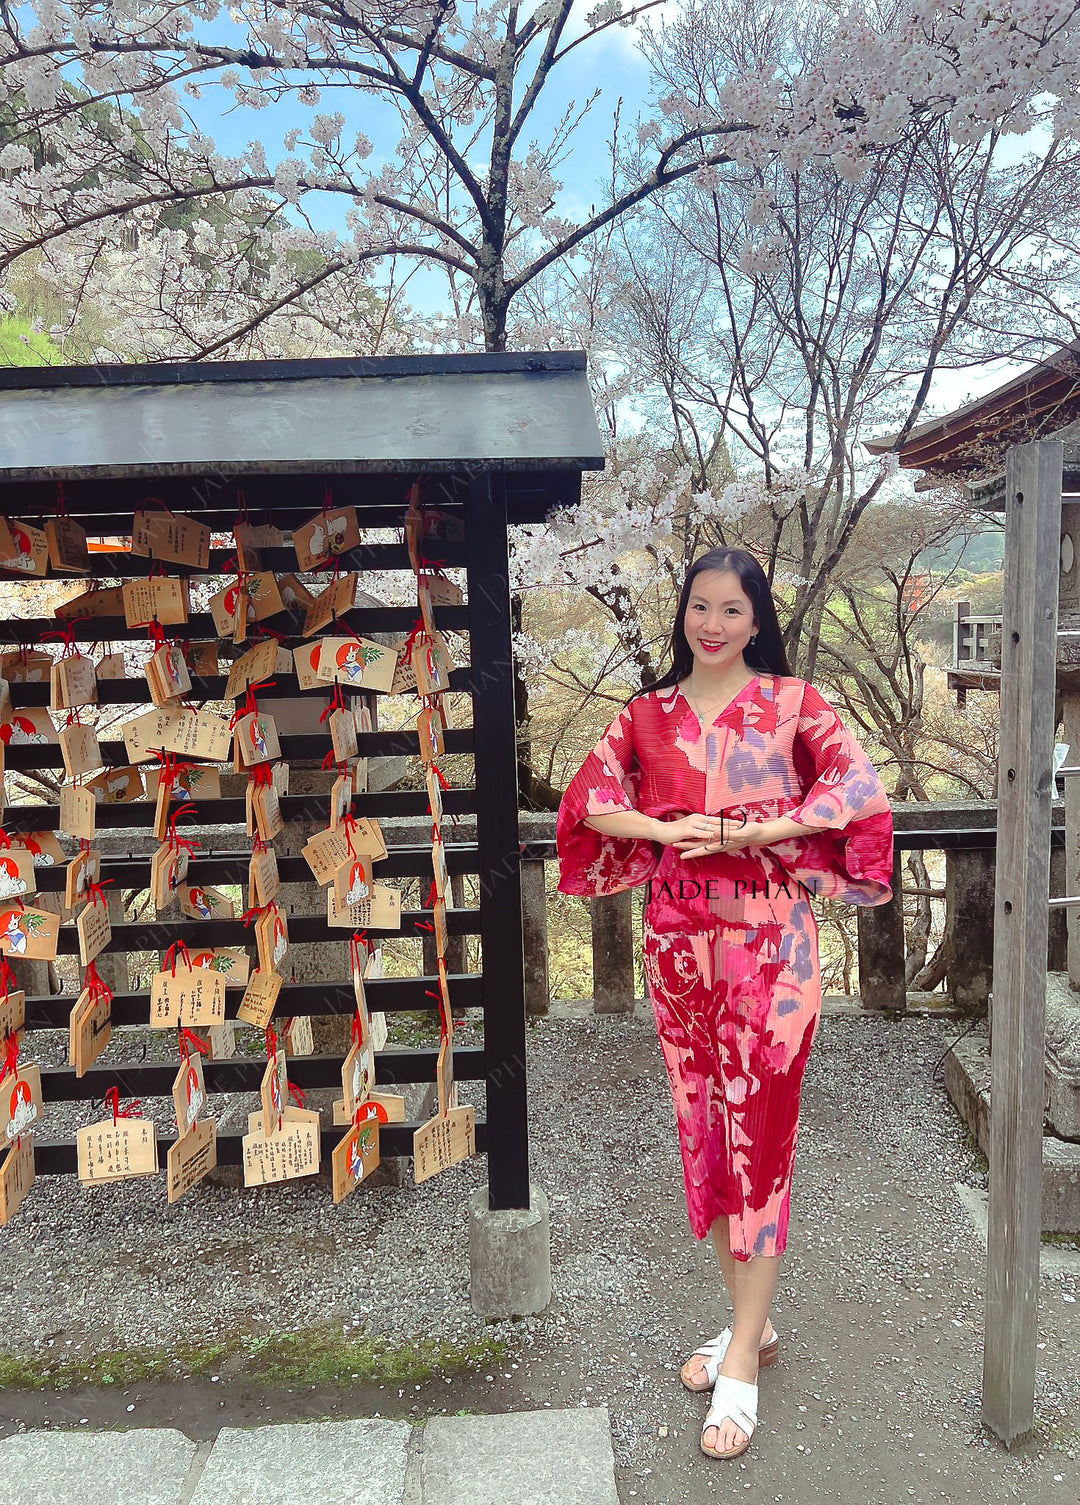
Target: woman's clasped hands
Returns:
[[705, 835]]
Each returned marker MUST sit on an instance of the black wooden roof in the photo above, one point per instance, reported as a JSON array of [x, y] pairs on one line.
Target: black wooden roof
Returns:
[[395, 415]]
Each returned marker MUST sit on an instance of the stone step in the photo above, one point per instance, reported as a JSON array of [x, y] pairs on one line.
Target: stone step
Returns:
[[529, 1457], [967, 1080]]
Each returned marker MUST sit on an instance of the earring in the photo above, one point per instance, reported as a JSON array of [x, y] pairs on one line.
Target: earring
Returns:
[[754, 638]]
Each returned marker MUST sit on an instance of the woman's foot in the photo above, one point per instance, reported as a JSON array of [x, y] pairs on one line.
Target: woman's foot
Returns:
[[727, 1437], [694, 1373]]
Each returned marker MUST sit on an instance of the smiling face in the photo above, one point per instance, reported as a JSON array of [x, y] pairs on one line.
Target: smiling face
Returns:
[[719, 620]]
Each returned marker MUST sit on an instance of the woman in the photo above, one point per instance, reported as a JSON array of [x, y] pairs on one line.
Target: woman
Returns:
[[735, 793]]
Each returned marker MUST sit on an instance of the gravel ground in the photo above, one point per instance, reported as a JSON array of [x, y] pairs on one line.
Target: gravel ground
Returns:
[[875, 1398]]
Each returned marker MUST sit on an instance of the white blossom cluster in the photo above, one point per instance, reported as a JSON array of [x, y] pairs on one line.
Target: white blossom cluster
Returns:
[[782, 492], [628, 519]]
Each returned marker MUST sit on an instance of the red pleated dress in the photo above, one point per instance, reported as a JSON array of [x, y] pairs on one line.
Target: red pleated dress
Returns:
[[730, 939]]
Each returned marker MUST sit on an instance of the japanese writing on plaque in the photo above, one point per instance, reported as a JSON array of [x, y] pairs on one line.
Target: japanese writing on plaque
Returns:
[[189, 997], [291, 1151], [191, 1158], [16, 1177], [443, 1141], [114, 1151]]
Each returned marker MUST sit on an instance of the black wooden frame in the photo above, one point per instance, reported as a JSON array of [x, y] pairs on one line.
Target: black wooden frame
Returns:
[[488, 502]]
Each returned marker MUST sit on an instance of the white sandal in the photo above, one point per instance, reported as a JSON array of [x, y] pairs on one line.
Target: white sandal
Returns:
[[736, 1401], [712, 1354]]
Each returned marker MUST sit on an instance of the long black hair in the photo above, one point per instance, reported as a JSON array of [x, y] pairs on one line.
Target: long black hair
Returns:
[[767, 654]]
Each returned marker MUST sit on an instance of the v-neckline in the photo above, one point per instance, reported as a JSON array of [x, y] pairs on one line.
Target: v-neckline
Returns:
[[723, 712]]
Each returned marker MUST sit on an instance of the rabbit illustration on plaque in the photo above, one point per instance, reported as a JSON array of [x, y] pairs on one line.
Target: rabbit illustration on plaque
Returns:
[[11, 884], [194, 1095], [197, 898], [20, 730], [12, 935], [258, 737], [329, 537], [23, 558], [22, 1110], [359, 888]]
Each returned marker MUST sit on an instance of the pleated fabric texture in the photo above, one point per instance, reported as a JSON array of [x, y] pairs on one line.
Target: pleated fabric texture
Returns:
[[730, 940]]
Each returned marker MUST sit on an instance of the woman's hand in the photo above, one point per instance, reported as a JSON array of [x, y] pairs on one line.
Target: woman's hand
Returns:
[[691, 830], [730, 838]]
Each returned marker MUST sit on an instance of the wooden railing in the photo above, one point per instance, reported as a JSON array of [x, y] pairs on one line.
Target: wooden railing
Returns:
[[965, 832]]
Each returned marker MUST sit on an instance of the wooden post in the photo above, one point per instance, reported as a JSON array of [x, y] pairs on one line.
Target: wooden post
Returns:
[[495, 762], [1057, 959], [959, 642], [535, 931], [969, 926], [882, 948], [960, 645], [1071, 734], [613, 953], [1021, 915]]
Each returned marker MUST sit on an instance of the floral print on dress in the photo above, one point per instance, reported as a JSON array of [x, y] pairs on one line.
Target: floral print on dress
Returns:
[[730, 939]]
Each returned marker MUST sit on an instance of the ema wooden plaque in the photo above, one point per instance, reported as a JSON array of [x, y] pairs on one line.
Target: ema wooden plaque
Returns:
[[28, 933], [94, 930], [89, 1029], [354, 1158], [117, 1151], [260, 998], [81, 750], [251, 667], [191, 1158], [74, 682], [16, 1177], [16, 873], [83, 870], [192, 997], [66, 543], [20, 1103], [272, 939], [12, 1013], [157, 598], [257, 738], [31, 550], [443, 1141], [358, 662], [178, 540], [299, 1038], [325, 536], [290, 1151], [189, 1093]]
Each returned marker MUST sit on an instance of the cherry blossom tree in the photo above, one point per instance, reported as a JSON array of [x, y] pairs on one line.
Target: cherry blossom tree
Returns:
[[101, 139]]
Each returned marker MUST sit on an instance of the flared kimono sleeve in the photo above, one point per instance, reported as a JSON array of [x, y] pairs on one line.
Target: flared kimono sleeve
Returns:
[[850, 855], [590, 862]]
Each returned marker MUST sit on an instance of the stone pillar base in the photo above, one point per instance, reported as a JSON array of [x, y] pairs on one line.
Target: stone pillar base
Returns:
[[509, 1256]]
